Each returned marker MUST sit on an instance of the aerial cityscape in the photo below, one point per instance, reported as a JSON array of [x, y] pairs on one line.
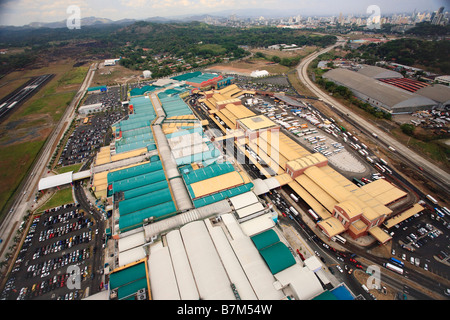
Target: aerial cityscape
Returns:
[[193, 150]]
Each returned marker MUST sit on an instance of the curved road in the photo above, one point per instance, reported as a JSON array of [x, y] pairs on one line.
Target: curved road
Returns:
[[439, 176]]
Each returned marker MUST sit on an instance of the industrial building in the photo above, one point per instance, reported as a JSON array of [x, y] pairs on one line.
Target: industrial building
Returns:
[[342, 206], [378, 94], [187, 215], [186, 219]]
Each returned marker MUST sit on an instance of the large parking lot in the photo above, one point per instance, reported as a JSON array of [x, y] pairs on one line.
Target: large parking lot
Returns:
[[314, 131], [55, 260], [88, 138], [423, 241]]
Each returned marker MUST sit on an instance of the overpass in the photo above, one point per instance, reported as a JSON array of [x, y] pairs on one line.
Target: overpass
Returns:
[[62, 179]]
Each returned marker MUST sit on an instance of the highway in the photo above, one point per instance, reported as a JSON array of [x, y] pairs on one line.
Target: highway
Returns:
[[433, 172], [24, 198]]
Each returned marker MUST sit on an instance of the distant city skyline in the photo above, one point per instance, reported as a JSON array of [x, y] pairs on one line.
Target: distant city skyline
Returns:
[[22, 12]]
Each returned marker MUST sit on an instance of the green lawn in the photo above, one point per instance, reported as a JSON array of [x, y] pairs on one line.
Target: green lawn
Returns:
[[15, 160], [75, 76], [74, 168], [61, 197]]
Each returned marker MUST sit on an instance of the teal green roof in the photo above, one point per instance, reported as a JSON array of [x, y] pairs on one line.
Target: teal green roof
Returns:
[[326, 295], [222, 195], [187, 76], [278, 257], [128, 173], [142, 91], [130, 194], [136, 219], [144, 201], [174, 105], [274, 252], [129, 281], [265, 239]]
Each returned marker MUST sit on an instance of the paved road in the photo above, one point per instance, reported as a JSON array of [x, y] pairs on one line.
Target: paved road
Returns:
[[438, 175], [25, 196]]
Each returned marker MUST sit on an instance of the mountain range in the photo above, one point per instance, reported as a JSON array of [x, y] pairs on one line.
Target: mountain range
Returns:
[[96, 21]]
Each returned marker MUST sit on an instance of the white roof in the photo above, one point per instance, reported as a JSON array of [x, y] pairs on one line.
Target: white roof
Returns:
[[260, 187], [162, 277], [209, 273], [54, 181], [258, 224], [234, 270], [313, 263], [131, 255], [180, 262], [302, 281], [248, 210], [254, 266], [81, 175], [243, 200], [131, 241], [259, 73]]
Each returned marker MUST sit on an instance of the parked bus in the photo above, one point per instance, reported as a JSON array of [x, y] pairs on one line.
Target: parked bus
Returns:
[[446, 210], [429, 197], [313, 214], [339, 238], [393, 268], [397, 262], [439, 212], [294, 197], [383, 162], [293, 210]]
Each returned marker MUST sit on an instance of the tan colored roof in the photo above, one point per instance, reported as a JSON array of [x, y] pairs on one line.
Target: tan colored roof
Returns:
[[332, 226], [257, 123], [219, 183], [310, 200], [351, 208], [403, 216], [379, 234]]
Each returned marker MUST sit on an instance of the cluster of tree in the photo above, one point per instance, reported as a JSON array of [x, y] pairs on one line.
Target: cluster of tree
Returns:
[[426, 29], [429, 54], [11, 62], [188, 41]]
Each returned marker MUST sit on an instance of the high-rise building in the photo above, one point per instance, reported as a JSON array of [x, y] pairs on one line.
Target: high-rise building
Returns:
[[438, 16]]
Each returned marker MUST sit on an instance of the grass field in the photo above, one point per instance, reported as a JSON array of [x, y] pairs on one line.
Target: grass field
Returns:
[[61, 197], [75, 168], [25, 131], [15, 160]]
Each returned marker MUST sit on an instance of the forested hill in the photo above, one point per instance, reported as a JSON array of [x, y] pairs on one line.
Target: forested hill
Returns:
[[429, 54], [152, 34], [181, 40]]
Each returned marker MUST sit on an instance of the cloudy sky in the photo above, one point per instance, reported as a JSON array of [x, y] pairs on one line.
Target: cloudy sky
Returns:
[[21, 12]]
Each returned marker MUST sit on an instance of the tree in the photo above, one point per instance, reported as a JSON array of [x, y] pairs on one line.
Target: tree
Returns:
[[407, 128]]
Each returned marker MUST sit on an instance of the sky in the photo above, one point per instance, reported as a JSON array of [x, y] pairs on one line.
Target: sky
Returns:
[[22, 12]]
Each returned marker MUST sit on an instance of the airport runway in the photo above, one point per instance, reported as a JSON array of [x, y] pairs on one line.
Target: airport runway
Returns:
[[24, 198], [19, 96]]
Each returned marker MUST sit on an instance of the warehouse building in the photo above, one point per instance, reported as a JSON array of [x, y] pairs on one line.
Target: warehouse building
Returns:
[[438, 93], [375, 72], [215, 259], [378, 94], [341, 205]]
